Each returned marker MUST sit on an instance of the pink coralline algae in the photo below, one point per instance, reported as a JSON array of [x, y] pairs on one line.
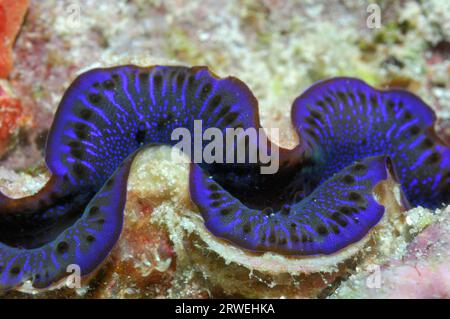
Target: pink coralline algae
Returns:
[[421, 272], [12, 13]]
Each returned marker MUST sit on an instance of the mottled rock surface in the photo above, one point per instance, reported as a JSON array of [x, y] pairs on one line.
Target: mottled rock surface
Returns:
[[421, 270]]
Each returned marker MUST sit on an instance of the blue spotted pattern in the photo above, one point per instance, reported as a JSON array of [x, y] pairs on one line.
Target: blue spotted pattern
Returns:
[[320, 201], [344, 120]]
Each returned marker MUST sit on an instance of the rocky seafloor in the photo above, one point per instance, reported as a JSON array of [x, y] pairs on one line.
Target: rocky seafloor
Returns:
[[278, 48]]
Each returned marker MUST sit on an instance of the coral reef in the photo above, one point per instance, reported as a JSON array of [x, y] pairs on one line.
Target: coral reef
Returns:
[[12, 115], [420, 271], [321, 211], [277, 54], [165, 250]]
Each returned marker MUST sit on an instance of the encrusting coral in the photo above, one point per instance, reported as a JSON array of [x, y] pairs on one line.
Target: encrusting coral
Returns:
[[12, 13]]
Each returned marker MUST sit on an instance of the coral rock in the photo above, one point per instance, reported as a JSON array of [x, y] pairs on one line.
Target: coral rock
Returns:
[[178, 254], [12, 13], [11, 117]]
